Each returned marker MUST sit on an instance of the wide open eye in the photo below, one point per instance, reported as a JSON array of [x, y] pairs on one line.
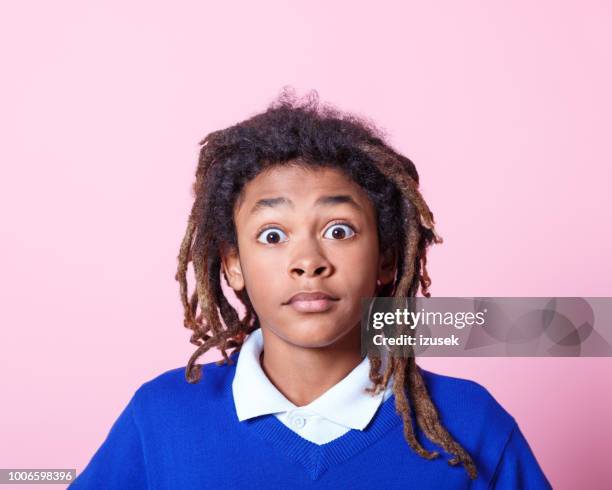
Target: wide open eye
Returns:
[[339, 232], [271, 236]]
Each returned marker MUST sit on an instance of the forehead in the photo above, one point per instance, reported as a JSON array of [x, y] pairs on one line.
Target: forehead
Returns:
[[302, 187]]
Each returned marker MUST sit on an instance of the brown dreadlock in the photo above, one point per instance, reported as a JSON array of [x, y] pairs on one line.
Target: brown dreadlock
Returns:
[[319, 136]]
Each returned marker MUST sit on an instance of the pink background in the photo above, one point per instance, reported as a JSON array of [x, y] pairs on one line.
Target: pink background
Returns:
[[505, 110]]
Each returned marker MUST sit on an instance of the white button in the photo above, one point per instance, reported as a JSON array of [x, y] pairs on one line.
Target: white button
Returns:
[[298, 419]]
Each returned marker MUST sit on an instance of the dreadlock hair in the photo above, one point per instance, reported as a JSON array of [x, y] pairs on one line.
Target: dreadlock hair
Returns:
[[306, 132]]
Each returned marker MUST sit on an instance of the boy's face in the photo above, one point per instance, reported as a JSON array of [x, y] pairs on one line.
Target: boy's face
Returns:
[[292, 240]]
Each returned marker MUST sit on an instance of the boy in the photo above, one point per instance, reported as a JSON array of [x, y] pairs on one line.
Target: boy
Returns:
[[305, 211]]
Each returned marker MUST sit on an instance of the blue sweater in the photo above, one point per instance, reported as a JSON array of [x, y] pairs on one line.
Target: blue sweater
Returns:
[[173, 434]]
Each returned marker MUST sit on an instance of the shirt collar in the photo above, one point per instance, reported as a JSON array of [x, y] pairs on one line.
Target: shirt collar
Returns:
[[345, 403]]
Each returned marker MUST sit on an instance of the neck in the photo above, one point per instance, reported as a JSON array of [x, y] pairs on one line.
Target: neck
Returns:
[[303, 374]]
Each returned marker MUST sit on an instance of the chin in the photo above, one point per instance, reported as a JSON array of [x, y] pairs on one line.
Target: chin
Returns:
[[316, 337]]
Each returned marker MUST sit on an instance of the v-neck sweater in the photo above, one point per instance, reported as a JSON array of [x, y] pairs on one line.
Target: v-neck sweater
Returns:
[[173, 434]]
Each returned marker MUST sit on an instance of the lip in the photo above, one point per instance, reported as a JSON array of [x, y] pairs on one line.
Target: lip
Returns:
[[311, 301]]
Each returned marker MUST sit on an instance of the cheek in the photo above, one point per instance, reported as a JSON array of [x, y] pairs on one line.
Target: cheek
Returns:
[[360, 266], [261, 276]]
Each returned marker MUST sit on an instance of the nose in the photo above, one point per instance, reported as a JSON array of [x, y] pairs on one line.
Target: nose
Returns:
[[310, 263]]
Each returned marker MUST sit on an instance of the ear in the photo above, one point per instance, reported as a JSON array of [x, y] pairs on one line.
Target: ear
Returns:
[[387, 264], [232, 269]]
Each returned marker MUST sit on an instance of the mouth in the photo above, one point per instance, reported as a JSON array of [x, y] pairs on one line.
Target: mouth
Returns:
[[312, 302]]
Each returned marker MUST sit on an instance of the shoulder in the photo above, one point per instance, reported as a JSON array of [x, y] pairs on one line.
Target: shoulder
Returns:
[[462, 394], [487, 431], [468, 407], [171, 390]]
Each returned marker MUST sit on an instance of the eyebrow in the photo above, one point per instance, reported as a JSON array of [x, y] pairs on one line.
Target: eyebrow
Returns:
[[275, 202]]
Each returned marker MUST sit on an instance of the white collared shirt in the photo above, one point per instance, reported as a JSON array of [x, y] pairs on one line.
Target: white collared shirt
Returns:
[[343, 407]]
